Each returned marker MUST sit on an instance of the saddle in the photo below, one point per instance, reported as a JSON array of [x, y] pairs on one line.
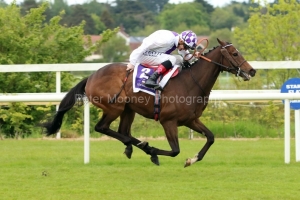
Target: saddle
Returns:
[[142, 72]]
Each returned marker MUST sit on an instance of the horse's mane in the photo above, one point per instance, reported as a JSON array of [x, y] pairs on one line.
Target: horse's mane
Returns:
[[210, 50]]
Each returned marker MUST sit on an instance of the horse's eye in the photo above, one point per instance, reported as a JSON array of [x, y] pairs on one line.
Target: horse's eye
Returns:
[[235, 54]]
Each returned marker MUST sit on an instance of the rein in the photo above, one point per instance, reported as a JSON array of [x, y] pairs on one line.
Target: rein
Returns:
[[219, 64], [234, 65], [197, 82]]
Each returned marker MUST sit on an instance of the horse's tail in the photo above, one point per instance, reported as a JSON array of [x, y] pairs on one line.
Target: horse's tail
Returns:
[[66, 104]]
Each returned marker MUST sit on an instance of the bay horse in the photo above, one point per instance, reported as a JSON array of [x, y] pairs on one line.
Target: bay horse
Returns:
[[192, 85]]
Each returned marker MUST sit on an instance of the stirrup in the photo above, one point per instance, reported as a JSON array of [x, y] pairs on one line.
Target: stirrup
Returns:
[[158, 87], [150, 83]]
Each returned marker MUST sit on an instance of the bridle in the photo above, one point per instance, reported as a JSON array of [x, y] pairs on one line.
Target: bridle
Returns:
[[235, 67]]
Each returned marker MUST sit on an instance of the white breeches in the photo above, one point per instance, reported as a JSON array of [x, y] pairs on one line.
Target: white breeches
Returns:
[[156, 58]]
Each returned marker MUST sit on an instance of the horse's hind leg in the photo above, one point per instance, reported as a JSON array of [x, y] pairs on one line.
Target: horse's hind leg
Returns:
[[103, 127], [126, 120], [199, 127]]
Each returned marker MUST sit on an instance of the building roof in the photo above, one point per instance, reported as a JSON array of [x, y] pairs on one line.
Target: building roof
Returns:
[[94, 38]]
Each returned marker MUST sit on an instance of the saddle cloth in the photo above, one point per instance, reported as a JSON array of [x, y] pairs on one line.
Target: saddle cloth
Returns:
[[142, 73]]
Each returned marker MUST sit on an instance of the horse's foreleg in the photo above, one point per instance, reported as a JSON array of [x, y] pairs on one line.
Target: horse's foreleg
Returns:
[[199, 127], [171, 132], [170, 128], [126, 120]]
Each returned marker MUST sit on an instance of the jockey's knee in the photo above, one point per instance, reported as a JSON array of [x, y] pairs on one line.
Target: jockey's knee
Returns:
[[178, 60], [167, 64], [173, 59]]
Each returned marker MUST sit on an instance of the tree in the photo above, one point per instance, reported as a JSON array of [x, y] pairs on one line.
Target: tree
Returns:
[[271, 36], [208, 7], [56, 8], [222, 18], [241, 10], [133, 15], [107, 19], [274, 35], [27, 5], [191, 14], [2, 4], [99, 25], [15, 117], [155, 6], [29, 39], [94, 7], [77, 16], [223, 34], [115, 50]]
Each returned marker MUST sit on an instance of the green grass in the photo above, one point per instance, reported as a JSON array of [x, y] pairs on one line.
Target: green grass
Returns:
[[232, 169], [243, 129]]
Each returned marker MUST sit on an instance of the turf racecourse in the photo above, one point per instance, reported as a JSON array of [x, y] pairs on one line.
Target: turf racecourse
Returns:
[[232, 169]]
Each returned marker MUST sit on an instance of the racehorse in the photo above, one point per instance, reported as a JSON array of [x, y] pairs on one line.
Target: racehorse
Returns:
[[111, 89]]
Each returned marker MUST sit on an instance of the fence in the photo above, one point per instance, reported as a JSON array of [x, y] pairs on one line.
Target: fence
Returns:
[[215, 95]]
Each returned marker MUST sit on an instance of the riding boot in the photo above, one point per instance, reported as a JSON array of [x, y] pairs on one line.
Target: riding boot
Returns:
[[152, 80]]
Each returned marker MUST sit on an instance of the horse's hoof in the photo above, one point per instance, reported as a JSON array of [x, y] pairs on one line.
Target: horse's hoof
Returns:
[[128, 154], [188, 162], [128, 151], [154, 159]]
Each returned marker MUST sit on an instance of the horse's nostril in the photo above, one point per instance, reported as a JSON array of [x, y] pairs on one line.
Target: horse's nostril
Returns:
[[252, 72]]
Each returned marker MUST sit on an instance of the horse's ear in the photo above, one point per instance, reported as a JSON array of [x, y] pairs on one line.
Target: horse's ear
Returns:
[[221, 42]]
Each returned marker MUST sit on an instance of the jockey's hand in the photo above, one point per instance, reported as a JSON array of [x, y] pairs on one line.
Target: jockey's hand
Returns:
[[130, 67], [186, 64], [197, 54]]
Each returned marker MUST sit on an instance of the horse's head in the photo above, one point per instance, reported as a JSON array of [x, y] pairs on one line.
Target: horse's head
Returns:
[[235, 62]]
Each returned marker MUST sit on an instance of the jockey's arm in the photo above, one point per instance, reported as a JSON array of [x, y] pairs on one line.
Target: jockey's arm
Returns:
[[134, 56], [130, 67], [148, 43], [183, 53], [133, 59]]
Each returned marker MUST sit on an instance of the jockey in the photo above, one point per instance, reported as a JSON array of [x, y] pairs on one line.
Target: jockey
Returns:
[[156, 50]]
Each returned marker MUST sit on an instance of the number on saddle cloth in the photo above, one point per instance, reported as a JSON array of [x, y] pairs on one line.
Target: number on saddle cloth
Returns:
[[142, 73]]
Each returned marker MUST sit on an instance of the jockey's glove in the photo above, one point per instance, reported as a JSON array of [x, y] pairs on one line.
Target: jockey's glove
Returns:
[[186, 64]]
